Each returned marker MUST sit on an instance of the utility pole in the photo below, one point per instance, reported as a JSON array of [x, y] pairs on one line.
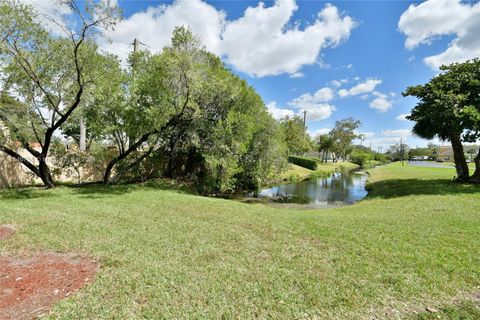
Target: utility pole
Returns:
[[83, 134], [401, 150], [304, 120], [135, 45]]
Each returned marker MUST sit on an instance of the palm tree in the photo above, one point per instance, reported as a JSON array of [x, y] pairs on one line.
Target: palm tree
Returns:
[[324, 145]]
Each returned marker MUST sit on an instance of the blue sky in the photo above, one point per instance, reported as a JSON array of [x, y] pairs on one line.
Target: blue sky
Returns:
[[335, 59]]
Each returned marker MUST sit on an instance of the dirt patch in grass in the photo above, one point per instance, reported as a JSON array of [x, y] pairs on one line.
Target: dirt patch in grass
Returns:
[[6, 232], [30, 284]]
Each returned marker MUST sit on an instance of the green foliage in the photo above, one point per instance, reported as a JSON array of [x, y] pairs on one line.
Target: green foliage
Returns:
[[49, 73], [342, 135], [324, 144], [304, 162], [398, 152], [81, 166], [449, 108], [186, 116], [380, 157], [297, 140], [360, 157]]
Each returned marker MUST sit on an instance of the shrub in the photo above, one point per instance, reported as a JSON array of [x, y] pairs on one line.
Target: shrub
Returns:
[[380, 157], [303, 162], [360, 157]]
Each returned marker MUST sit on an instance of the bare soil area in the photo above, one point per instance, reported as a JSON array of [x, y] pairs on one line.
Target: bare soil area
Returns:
[[31, 283], [6, 232]]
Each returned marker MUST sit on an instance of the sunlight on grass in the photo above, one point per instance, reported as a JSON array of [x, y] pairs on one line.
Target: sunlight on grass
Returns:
[[167, 254]]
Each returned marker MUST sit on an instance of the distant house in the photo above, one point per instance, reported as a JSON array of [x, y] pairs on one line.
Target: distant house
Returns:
[[445, 153]]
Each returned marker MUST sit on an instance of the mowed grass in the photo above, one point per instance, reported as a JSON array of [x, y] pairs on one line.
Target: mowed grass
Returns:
[[414, 243], [298, 173]]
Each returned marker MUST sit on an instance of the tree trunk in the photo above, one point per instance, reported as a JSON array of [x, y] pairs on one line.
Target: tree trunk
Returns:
[[120, 157], [45, 174], [475, 178], [42, 171], [460, 162]]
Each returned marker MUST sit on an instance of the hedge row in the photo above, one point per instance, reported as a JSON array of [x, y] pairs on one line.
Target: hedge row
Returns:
[[303, 162]]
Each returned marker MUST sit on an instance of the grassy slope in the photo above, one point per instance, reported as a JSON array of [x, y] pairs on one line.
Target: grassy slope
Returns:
[[298, 173], [413, 243]]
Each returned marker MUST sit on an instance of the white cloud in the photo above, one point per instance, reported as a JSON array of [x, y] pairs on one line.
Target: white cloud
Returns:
[[335, 83], [260, 43], [367, 134], [278, 113], [425, 22], [386, 138], [343, 93], [382, 103], [297, 75], [48, 10], [322, 95], [361, 88], [319, 132], [396, 133], [403, 117], [338, 83], [315, 104], [155, 25], [318, 112], [315, 112]]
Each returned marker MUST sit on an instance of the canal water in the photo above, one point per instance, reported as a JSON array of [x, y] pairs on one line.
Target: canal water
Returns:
[[337, 189]]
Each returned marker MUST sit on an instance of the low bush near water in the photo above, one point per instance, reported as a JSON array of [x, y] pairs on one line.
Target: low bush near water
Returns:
[[360, 157], [303, 162]]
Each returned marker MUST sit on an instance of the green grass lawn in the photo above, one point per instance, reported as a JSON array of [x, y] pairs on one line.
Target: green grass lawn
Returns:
[[414, 243], [298, 173], [471, 165]]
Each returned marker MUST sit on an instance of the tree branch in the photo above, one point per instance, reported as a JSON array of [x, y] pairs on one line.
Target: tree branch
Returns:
[[21, 159]]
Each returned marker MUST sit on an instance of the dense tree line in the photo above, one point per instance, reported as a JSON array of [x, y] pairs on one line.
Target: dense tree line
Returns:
[[179, 113]]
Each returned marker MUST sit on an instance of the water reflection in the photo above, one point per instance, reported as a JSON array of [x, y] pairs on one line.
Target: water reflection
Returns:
[[338, 188]]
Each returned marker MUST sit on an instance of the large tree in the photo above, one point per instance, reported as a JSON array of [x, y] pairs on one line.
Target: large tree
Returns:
[[44, 75], [296, 139], [182, 114], [342, 134], [449, 108]]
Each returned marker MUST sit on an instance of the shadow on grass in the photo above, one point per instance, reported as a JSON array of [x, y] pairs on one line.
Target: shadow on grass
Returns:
[[99, 191], [466, 310], [405, 187], [24, 193]]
